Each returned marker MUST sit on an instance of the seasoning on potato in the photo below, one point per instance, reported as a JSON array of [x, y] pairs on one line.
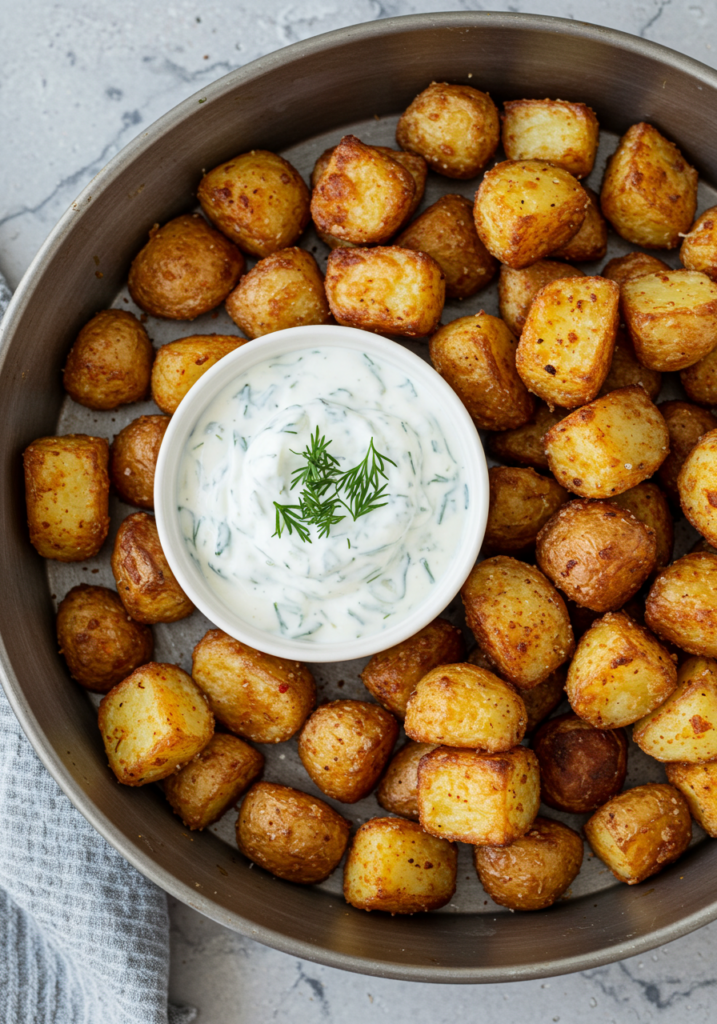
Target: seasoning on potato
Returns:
[[520, 504], [67, 493], [517, 289], [697, 486], [698, 785], [180, 364], [590, 240], [682, 604], [632, 264], [540, 700], [564, 134], [145, 583], [684, 728], [648, 504], [700, 380], [626, 369], [580, 766], [525, 446], [283, 290], [110, 362], [686, 423], [398, 789], [133, 459], [699, 246]]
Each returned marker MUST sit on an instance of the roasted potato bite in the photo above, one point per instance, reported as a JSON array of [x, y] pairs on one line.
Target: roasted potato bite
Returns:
[[455, 128], [476, 356], [209, 785], [145, 583], [526, 209], [390, 289], [525, 446], [566, 346], [580, 766], [283, 290], [682, 604], [699, 246], [185, 269], [684, 728], [517, 289], [110, 362], [535, 870], [632, 264], [398, 789], [540, 700], [700, 380], [258, 200], [521, 502], [625, 369], [391, 675], [256, 695], [610, 445], [67, 493], [590, 240], [698, 785], [291, 834], [561, 133], [697, 485], [345, 745], [99, 641], [641, 831], [153, 723], [648, 504], [483, 799], [181, 363], [393, 865], [649, 192], [133, 459], [686, 424]]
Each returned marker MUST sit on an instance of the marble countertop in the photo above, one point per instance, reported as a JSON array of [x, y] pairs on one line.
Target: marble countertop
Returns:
[[77, 82]]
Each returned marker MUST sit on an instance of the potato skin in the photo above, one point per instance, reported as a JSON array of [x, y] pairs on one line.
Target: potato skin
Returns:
[[525, 446], [590, 240], [145, 583], [564, 134], [632, 264], [700, 380], [283, 290], [395, 866], [517, 289], [686, 424], [682, 604], [699, 247], [67, 493], [520, 504], [133, 459], [391, 675], [580, 766], [255, 695], [181, 363], [648, 504], [625, 369], [540, 700], [291, 834], [697, 486], [99, 641], [110, 362], [398, 790], [684, 728], [698, 785], [345, 745], [535, 870]]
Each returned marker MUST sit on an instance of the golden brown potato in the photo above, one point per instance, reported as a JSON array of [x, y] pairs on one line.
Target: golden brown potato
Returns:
[[185, 269], [526, 209], [291, 834], [204, 789], [518, 288], [391, 675], [686, 424], [483, 799], [564, 134], [283, 290], [641, 831], [682, 604], [476, 356], [566, 346], [258, 200], [521, 502], [525, 445], [580, 766], [99, 641], [697, 485], [519, 620], [446, 231], [698, 785], [649, 192], [388, 288], [535, 870], [699, 246], [632, 264], [648, 504], [345, 746], [181, 363], [540, 700], [133, 459], [110, 362], [455, 128], [590, 240], [153, 722], [256, 695], [398, 789], [700, 380], [625, 369], [145, 583], [702, 545], [67, 493], [684, 728], [466, 706], [671, 317], [610, 445], [393, 865]]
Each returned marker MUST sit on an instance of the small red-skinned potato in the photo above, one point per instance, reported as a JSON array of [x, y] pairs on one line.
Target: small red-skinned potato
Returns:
[[626, 369], [682, 604], [632, 264], [686, 423], [698, 785], [154, 722], [697, 486], [180, 364], [133, 459], [398, 790], [395, 866], [145, 583], [580, 766], [648, 504], [684, 728], [700, 380], [590, 240], [640, 831], [540, 700], [110, 362], [699, 246], [520, 504], [285, 289], [258, 696], [525, 446], [517, 289], [564, 134]]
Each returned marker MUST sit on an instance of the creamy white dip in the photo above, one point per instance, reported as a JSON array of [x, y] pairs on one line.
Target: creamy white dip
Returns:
[[239, 459]]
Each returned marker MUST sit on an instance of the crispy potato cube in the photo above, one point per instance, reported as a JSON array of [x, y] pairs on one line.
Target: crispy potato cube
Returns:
[[388, 288], [291, 834], [686, 424], [133, 459], [535, 870], [525, 446], [682, 604], [99, 641], [519, 620], [698, 785], [181, 363], [393, 865], [154, 722], [625, 369], [697, 485], [476, 356], [345, 745], [590, 240], [398, 790], [610, 445], [566, 346], [145, 583], [699, 246], [521, 502], [580, 766], [483, 799], [648, 504], [540, 700], [632, 264], [700, 380], [649, 192], [466, 706], [256, 695], [526, 209], [110, 362], [204, 789], [67, 493], [517, 289], [684, 728], [641, 831], [391, 675], [455, 128], [564, 134], [258, 200], [283, 290]]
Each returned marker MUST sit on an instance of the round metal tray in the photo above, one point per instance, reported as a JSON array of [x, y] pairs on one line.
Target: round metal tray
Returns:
[[298, 101]]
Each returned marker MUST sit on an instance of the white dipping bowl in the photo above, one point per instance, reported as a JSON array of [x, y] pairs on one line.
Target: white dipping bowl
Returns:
[[466, 447]]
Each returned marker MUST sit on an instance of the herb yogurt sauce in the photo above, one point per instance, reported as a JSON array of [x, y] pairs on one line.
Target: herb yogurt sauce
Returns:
[[238, 461]]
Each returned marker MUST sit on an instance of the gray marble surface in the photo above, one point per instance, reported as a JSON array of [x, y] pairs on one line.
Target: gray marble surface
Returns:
[[77, 81]]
